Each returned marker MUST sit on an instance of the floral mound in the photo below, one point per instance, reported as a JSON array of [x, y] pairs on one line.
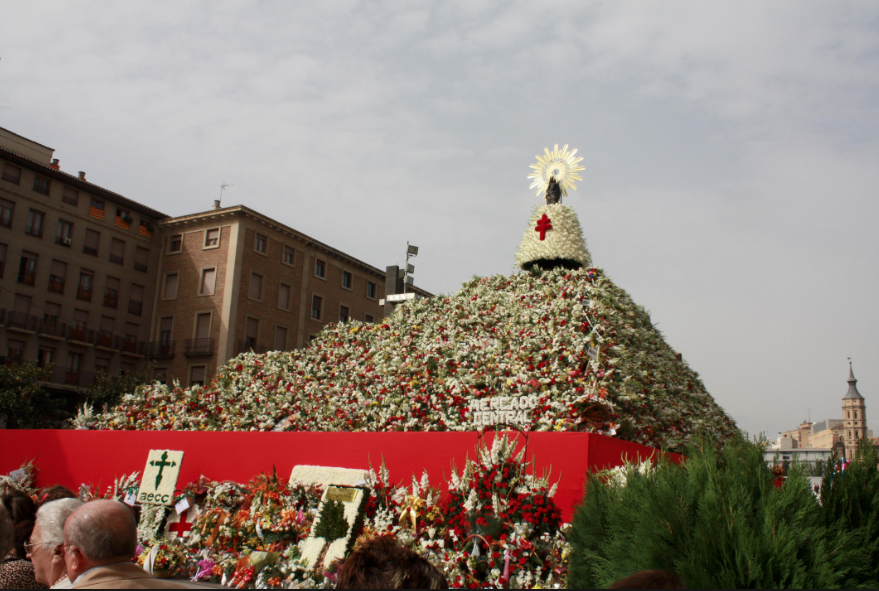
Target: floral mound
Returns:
[[571, 341]]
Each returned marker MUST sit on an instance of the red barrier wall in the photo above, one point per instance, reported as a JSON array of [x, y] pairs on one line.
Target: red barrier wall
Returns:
[[71, 458]]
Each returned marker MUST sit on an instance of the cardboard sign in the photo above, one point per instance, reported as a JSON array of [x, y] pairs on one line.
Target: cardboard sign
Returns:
[[160, 477]]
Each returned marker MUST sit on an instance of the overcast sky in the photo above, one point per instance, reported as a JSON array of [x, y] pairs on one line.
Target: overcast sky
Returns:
[[731, 150]]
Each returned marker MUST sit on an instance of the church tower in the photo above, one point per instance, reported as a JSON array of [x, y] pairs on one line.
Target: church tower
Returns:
[[854, 413]]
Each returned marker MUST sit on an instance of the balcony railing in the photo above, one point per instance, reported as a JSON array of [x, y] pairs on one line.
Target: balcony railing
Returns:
[[111, 300], [140, 267], [52, 328], [116, 259], [84, 293], [27, 278], [161, 349], [22, 321], [63, 241], [11, 178], [70, 377], [56, 284], [135, 307], [107, 340], [81, 335], [34, 231], [90, 250], [6, 220], [131, 346], [193, 347], [249, 345]]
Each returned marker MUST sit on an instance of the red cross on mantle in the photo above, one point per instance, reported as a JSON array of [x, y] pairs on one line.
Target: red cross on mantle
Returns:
[[544, 225], [182, 527]]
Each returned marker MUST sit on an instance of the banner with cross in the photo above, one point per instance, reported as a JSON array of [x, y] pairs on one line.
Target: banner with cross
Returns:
[[160, 477]]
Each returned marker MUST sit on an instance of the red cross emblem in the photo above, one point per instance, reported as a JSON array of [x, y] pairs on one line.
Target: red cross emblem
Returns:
[[182, 527], [544, 225]]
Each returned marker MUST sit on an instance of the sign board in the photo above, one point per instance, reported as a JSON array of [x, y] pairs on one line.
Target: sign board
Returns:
[[160, 477], [510, 410]]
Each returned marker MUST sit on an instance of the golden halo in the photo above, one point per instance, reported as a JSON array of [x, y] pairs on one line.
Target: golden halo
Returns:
[[560, 164]]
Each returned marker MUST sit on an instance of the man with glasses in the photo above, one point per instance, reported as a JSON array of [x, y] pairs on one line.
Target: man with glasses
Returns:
[[46, 547]]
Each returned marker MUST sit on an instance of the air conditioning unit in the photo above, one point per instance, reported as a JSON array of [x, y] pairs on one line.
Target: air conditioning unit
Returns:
[[66, 241]]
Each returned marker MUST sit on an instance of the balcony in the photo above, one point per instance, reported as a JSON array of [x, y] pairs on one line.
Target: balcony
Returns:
[[90, 251], [84, 293], [111, 299], [248, 345], [70, 377], [22, 322], [81, 336], [27, 278], [63, 241], [106, 340], [135, 307], [11, 178], [142, 267], [161, 349], [131, 346], [114, 258], [34, 231], [197, 347], [56, 284], [52, 329]]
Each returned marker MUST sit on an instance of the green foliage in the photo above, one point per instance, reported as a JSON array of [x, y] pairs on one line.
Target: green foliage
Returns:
[[108, 389], [23, 400], [332, 524], [717, 520]]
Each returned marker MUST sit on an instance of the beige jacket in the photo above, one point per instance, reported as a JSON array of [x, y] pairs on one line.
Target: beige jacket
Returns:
[[123, 576]]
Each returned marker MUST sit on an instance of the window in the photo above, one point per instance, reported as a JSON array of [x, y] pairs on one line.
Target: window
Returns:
[[117, 251], [347, 280], [175, 243], [123, 219], [208, 281], [41, 185], [6, 208], [64, 233], [255, 286], [280, 338], [344, 313], [316, 304], [289, 255], [45, 356], [80, 319], [166, 325], [27, 268], [284, 297], [135, 300], [111, 292], [34, 223], [370, 318], [2, 259], [160, 374], [320, 268], [370, 290], [212, 237], [21, 304], [311, 337], [92, 239], [141, 257], [170, 291], [84, 288], [70, 196], [102, 365], [197, 375], [107, 325], [96, 208], [203, 326], [260, 243], [251, 332], [14, 350], [74, 363], [11, 173], [57, 275]]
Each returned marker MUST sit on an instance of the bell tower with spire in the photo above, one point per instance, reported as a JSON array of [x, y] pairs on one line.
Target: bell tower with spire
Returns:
[[854, 415]]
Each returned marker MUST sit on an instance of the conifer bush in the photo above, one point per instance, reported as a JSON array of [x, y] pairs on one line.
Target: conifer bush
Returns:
[[718, 521]]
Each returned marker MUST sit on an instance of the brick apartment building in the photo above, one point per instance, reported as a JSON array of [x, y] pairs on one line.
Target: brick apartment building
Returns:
[[91, 281]]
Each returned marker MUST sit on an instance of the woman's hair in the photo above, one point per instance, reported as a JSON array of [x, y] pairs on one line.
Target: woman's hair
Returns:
[[51, 517], [53, 493], [21, 533], [382, 563], [19, 506], [6, 540]]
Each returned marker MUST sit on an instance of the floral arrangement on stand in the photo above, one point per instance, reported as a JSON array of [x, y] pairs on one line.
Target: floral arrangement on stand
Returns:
[[570, 338], [23, 480]]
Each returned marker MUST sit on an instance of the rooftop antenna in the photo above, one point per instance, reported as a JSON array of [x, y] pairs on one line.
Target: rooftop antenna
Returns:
[[223, 186]]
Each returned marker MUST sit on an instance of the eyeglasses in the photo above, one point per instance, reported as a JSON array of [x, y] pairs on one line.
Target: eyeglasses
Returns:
[[29, 548]]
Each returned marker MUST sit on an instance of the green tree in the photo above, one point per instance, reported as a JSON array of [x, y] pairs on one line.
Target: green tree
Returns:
[[332, 524], [24, 402], [107, 389], [717, 520]]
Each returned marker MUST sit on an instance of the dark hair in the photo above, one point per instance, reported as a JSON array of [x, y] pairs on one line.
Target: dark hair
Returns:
[[382, 563], [19, 505], [53, 493], [21, 533], [650, 579]]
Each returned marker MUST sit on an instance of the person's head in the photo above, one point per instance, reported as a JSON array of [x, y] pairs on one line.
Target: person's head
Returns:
[[21, 533], [650, 579], [98, 533], [46, 548], [53, 493], [382, 563], [6, 539], [20, 506]]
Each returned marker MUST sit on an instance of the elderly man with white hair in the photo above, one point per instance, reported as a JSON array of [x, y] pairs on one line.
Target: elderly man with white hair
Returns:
[[46, 547], [100, 539]]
